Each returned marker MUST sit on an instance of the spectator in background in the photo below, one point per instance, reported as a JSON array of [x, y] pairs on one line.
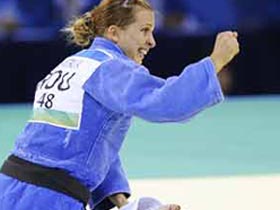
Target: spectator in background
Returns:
[[36, 20], [186, 17], [72, 8], [226, 80], [8, 19], [37, 13], [197, 17], [179, 18], [176, 18]]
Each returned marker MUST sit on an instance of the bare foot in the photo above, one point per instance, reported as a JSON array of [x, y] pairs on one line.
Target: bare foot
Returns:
[[170, 207]]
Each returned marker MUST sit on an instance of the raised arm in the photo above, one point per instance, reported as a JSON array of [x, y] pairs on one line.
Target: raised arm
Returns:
[[134, 91], [123, 88]]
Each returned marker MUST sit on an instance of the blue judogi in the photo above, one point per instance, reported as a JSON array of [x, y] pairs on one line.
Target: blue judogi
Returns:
[[82, 111]]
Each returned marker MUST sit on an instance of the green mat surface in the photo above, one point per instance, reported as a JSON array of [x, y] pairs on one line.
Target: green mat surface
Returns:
[[237, 137]]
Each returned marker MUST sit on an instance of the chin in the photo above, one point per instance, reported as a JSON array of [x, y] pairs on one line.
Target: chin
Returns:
[[139, 61]]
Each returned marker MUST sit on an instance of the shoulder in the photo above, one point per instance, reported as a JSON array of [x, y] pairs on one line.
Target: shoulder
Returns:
[[123, 64], [97, 55]]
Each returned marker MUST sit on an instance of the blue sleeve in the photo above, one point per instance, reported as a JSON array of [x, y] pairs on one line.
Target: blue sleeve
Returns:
[[123, 89], [114, 182]]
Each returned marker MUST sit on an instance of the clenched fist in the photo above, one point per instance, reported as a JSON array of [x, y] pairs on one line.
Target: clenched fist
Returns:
[[226, 47]]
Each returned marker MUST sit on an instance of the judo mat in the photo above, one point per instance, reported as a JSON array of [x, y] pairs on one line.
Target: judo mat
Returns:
[[225, 158]]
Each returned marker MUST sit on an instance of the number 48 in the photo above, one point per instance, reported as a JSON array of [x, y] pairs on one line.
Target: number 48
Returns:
[[46, 100]]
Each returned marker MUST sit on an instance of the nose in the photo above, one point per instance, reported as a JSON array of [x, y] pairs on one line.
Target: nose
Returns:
[[151, 41]]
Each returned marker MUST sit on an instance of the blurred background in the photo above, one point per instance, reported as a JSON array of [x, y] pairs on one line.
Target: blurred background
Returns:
[[31, 43], [237, 138]]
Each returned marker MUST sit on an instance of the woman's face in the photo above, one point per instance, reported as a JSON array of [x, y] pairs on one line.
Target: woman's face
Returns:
[[137, 38]]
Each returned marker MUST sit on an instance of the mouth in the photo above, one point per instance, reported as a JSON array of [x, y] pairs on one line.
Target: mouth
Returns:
[[142, 53]]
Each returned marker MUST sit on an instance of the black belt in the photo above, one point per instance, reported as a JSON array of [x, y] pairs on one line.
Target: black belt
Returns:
[[52, 178]]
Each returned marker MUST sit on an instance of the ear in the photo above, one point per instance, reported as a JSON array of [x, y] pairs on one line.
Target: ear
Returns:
[[112, 33]]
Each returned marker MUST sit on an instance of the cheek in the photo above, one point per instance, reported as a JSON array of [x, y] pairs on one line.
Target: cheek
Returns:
[[130, 44], [130, 51], [132, 47]]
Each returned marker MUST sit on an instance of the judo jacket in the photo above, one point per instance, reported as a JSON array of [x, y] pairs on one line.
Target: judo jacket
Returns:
[[83, 110]]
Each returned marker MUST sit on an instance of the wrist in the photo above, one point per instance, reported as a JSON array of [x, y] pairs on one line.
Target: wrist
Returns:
[[216, 62], [118, 200]]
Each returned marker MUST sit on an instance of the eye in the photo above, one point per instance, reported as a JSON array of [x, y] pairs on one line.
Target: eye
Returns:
[[145, 30]]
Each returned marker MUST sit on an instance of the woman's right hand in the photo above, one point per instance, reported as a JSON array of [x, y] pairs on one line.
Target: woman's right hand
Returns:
[[226, 47]]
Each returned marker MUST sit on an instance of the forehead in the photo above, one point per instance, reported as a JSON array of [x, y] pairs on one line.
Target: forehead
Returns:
[[144, 17]]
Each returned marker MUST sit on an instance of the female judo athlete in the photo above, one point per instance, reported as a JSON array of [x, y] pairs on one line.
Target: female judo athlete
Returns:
[[67, 156]]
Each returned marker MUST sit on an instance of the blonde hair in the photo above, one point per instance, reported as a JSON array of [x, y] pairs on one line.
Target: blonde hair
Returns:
[[82, 30]]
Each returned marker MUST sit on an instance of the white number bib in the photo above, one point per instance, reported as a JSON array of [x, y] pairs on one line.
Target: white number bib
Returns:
[[59, 96]]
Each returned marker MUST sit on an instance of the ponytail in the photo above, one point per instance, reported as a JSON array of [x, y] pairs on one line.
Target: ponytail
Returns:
[[81, 31]]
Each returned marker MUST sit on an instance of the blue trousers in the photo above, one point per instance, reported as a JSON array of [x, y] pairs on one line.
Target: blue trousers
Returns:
[[17, 195]]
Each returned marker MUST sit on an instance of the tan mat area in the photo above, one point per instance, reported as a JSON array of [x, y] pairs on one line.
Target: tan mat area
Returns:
[[223, 193]]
